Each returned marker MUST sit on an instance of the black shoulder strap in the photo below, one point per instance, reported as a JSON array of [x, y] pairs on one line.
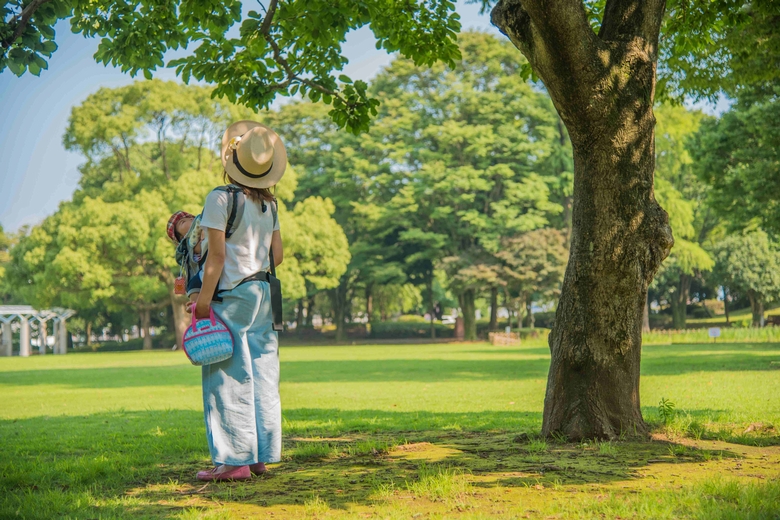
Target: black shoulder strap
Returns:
[[235, 207], [271, 249]]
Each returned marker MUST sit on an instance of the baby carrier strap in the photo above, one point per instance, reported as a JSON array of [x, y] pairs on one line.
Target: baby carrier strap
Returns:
[[236, 204]]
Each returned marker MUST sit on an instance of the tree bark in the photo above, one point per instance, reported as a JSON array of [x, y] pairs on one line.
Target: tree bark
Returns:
[[299, 314], [646, 317], [180, 317], [89, 333], [339, 304], [369, 302], [310, 312], [146, 323], [469, 320], [493, 309], [530, 314], [679, 302], [756, 307], [432, 306], [726, 303], [602, 87]]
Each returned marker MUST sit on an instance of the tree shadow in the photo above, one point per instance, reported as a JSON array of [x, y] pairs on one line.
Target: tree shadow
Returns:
[[383, 370], [143, 463], [677, 359], [658, 360]]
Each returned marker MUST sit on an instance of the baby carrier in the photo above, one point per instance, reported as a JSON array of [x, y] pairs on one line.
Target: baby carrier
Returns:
[[192, 266]]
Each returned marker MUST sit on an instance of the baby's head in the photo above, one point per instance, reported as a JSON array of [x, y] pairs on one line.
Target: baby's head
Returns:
[[178, 225]]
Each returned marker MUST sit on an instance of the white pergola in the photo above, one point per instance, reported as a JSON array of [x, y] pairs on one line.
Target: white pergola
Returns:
[[24, 314]]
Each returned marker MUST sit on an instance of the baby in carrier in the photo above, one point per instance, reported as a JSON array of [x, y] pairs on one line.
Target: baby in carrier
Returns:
[[185, 231]]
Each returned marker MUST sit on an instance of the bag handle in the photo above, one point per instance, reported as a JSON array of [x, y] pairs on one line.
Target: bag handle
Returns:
[[211, 318]]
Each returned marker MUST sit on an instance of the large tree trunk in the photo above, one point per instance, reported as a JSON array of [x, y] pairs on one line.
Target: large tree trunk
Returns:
[[602, 87], [146, 323], [89, 334], [680, 302], [469, 320], [530, 315], [726, 303], [756, 307], [493, 309]]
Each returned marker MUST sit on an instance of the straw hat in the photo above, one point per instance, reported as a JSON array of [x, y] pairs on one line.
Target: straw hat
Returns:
[[253, 155]]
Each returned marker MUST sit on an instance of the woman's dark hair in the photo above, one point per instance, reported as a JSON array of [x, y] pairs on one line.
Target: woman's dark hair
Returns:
[[253, 194]]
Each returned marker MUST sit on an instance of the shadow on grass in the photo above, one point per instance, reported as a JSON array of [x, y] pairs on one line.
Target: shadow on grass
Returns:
[[123, 464], [401, 370]]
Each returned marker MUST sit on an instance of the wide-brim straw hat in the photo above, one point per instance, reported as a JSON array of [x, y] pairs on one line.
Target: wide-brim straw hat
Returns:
[[253, 155]]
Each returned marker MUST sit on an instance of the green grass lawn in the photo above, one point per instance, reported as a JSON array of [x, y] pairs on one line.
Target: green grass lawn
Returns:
[[391, 431]]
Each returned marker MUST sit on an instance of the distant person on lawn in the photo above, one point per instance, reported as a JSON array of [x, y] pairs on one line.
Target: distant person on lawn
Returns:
[[241, 401]]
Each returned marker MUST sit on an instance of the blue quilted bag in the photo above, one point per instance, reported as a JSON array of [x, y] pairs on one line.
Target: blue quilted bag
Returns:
[[207, 340]]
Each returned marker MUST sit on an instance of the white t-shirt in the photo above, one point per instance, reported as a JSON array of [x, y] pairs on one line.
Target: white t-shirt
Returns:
[[246, 251]]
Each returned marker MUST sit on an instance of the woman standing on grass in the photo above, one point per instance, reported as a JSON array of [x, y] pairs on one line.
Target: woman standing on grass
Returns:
[[241, 401]]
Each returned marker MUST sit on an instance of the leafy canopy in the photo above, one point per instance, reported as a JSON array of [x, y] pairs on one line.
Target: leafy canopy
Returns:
[[749, 262], [706, 46], [738, 156], [287, 47]]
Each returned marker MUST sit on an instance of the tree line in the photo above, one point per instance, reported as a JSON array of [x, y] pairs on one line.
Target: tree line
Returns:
[[459, 196]]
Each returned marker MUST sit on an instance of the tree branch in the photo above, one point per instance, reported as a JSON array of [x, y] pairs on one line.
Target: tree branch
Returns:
[[23, 18], [269, 16], [291, 75], [627, 19]]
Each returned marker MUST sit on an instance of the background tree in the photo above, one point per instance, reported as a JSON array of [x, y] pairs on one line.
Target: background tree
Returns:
[[737, 156], [532, 267], [750, 263], [6, 243], [150, 150], [477, 141], [318, 246], [445, 172], [684, 197]]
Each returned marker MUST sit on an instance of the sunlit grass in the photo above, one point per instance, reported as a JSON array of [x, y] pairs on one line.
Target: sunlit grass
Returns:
[[439, 482], [120, 435]]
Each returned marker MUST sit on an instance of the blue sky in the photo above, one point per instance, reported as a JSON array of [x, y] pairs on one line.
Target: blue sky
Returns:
[[37, 173]]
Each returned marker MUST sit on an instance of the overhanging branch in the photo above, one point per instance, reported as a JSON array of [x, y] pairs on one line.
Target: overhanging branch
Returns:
[[281, 60], [21, 20]]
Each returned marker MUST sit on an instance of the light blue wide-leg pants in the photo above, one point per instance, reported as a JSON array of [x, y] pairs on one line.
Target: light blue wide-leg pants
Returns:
[[241, 403]]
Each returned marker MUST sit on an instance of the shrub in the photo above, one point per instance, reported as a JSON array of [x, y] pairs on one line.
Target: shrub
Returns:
[[409, 330]]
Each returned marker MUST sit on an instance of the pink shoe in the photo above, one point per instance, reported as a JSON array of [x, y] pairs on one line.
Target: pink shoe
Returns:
[[237, 473], [258, 469]]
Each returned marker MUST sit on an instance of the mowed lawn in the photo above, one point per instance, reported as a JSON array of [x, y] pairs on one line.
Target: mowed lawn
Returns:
[[391, 431]]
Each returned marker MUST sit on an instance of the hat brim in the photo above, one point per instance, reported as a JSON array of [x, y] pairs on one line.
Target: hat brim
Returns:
[[280, 156]]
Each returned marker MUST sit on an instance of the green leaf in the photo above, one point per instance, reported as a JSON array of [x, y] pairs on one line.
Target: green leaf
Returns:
[[345, 79], [34, 68], [17, 67], [49, 47]]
